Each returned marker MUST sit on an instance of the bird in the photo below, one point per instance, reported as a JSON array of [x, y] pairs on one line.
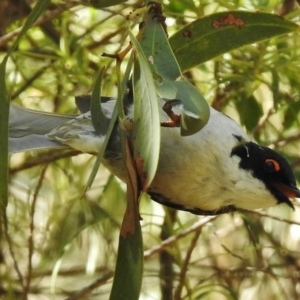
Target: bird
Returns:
[[217, 170]]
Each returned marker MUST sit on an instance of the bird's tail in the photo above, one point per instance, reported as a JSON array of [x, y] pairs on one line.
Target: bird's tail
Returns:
[[27, 129]]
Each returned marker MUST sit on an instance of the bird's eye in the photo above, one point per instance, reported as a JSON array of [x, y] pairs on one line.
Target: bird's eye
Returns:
[[271, 165]]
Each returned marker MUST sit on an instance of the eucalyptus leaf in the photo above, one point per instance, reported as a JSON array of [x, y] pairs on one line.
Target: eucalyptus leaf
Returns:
[[169, 81], [129, 269], [109, 130], [219, 33], [128, 273], [99, 119], [101, 124], [4, 111], [146, 130], [158, 52]]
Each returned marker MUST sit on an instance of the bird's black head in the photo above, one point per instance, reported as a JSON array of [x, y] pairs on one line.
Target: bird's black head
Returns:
[[271, 168]]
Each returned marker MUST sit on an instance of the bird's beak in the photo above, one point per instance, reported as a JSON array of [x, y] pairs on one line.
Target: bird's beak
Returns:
[[291, 191]]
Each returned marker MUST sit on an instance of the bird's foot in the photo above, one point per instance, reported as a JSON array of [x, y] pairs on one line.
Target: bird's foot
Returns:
[[174, 118]]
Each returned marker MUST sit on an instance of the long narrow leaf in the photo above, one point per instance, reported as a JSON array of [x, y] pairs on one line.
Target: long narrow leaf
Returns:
[[129, 269], [99, 120], [4, 110], [219, 33], [170, 84], [4, 101], [101, 123], [128, 273], [146, 130]]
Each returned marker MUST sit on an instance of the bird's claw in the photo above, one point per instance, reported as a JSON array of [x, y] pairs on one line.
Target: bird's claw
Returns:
[[174, 118]]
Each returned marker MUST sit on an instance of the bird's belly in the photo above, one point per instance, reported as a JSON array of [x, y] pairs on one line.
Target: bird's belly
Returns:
[[195, 172], [208, 195]]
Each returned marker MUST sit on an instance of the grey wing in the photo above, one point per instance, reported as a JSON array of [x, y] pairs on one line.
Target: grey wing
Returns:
[[27, 129], [79, 133], [32, 130]]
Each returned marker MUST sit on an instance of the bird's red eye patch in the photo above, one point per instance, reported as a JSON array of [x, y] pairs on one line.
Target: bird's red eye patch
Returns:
[[272, 164]]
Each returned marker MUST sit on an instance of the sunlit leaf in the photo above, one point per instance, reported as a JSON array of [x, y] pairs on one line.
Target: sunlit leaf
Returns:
[[146, 127]]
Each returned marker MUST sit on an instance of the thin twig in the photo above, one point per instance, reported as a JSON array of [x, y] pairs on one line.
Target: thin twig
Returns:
[[31, 228], [147, 254], [166, 243], [51, 156], [87, 290], [196, 227], [184, 267], [11, 251], [262, 214]]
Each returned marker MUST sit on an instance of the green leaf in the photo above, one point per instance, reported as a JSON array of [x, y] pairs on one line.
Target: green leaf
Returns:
[[97, 163], [291, 114], [275, 87], [99, 120], [146, 130], [163, 63], [128, 273], [219, 33], [4, 111], [129, 269], [105, 3], [249, 110], [155, 45]]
